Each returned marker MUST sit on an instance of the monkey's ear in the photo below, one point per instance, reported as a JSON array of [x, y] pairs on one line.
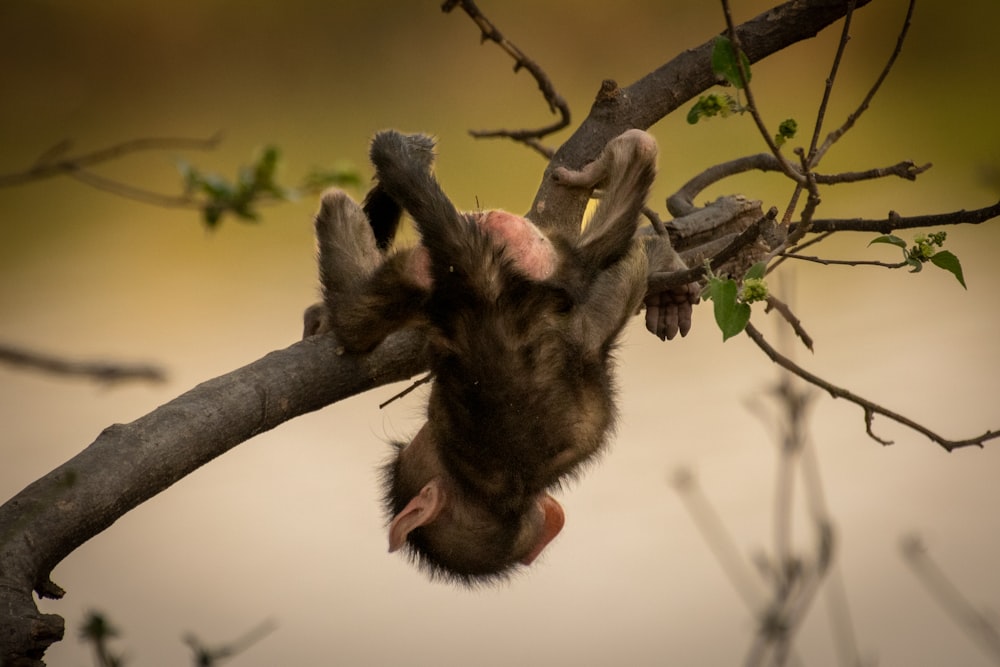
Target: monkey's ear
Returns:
[[420, 511], [552, 523]]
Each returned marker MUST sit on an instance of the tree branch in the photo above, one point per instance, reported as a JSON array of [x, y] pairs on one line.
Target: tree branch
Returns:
[[895, 221], [660, 92], [521, 61], [102, 371], [130, 463], [871, 409], [47, 166]]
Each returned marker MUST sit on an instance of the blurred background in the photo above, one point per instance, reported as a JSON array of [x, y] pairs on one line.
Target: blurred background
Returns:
[[287, 527]]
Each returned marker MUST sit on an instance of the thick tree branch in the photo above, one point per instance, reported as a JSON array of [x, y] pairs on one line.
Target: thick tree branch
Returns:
[[130, 463]]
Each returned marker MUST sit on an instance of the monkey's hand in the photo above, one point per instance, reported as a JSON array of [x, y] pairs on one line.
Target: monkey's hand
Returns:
[[669, 311]]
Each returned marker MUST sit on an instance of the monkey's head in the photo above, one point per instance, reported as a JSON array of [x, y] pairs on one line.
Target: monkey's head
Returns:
[[451, 535]]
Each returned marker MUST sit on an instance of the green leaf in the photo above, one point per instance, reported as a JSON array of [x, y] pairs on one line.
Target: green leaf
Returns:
[[724, 62], [889, 238], [730, 315], [916, 266], [949, 262], [756, 271]]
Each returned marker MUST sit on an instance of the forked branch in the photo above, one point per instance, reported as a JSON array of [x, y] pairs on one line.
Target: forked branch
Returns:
[[556, 103], [870, 408]]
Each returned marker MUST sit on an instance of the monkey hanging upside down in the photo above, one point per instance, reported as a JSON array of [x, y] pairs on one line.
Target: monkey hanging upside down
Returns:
[[521, 326]]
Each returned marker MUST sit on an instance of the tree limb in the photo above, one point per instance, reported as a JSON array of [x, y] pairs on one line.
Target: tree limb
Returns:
[[660, 92], [129, 463], [870, 408], [894, 221]]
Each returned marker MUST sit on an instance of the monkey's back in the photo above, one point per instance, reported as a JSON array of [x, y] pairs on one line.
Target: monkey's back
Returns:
[[517, 400]]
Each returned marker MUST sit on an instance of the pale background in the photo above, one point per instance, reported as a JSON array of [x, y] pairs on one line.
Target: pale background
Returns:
[[287, 527]]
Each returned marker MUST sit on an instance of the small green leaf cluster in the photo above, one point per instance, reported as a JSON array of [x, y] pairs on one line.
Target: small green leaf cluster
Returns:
[[786, 131], [253, 182], [724, 65], [713, 104], [924, 249], [731, 302], [341, 175]]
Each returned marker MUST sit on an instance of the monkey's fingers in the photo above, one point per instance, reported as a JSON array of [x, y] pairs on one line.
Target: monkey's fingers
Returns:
[[669, 312], [661, 316], [687, 296]]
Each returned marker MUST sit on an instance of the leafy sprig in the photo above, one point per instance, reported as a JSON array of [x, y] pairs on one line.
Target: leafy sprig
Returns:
[[731, 301], [923, 250]]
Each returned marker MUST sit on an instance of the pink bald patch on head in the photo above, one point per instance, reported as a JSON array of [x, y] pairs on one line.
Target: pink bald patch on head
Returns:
[[525, 244]]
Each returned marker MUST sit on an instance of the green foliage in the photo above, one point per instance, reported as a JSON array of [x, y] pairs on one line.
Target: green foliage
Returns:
[[731, 303], [725, 64], [341, 175], [713, 104], [924, 250], [786, 131], [254, 184]]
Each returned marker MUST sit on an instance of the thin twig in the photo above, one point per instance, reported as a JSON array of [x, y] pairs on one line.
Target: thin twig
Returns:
[[416, 383], [870, 408], [774, 303], [47, 167], [131, 192], [845, 36], [96, 370], [866, 102], [895, 221], [209, 657], [751, 104], [843, 262], [521, 61]]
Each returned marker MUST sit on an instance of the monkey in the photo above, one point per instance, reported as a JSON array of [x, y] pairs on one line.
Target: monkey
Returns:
[[521, 328]]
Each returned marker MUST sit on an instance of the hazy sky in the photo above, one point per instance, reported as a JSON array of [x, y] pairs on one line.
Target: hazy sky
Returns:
[[288, 526]]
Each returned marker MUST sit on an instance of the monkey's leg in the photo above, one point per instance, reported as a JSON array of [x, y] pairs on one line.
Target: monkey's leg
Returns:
[[366, 295], [625, 169], [456, 246], [384, 212], [347, 257], [615, 296]]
